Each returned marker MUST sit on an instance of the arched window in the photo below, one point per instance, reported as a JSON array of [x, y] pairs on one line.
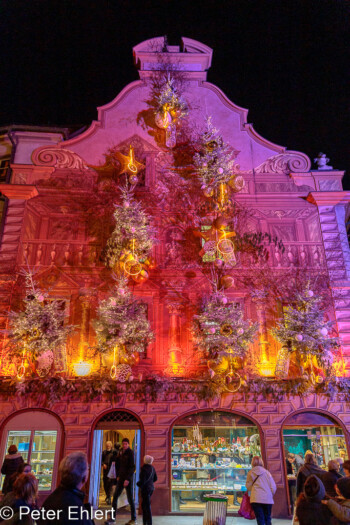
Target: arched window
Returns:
[[37, 435], [310, 432], [211, 452]]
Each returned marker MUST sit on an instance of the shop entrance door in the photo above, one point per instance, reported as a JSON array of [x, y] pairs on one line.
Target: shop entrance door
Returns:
[[114, 427]]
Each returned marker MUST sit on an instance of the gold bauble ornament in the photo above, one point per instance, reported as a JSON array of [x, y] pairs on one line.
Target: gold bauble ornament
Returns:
[[133, 179], [319, 379], [208, 191], [226, 281], [226, 329]]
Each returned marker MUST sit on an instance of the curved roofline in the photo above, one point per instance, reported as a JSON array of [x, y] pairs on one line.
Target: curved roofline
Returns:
[[97, 124], [243, 113]]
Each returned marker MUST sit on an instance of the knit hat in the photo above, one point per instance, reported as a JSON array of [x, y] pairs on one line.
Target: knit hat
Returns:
[[343, 485], [314, 488]]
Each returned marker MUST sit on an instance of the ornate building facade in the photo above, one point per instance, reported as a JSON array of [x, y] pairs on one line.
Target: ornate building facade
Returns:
[[59, 198]]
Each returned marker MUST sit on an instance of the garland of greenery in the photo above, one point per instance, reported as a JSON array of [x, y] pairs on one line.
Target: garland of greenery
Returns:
[[155, 388]]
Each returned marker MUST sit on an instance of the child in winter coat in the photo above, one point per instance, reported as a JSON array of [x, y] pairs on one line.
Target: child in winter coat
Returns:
[[309, 503], [341, 508], [148, 476]]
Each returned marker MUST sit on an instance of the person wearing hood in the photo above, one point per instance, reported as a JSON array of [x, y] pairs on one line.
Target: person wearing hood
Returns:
[[331, 477], [309, 503], [10, 465], [262, 488], [341, 508], [309, 468]]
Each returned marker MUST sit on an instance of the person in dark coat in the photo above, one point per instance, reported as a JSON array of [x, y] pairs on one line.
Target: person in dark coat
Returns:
[[346, 467], [340, 507], [310, 467], [106, 456], [10, 465], [125, 481], [331, 477], [68, 499], [24, 468], [309, 508], [23, 496], [148, 476]]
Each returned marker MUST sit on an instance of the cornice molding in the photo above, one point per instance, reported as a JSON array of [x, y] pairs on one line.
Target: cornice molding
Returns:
[[329, 198], [18, 191]]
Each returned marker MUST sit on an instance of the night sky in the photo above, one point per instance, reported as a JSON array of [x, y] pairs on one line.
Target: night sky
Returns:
[[287, 61]]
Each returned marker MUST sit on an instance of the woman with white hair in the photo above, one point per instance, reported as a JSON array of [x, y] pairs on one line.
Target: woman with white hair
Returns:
[[262, 488], [148, 476], [331, 477]]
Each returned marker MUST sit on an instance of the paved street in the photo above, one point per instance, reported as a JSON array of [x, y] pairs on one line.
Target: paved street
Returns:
[[189, 520]]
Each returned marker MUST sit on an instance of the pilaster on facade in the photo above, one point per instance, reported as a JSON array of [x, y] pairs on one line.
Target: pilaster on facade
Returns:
[[332, 208]]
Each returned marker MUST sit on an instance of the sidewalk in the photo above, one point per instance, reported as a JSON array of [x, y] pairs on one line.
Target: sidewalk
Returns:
[[189, 520]]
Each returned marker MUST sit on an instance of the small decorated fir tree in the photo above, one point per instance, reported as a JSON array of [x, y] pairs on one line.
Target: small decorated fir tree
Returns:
[[39, 329], [133, 234], [214, 163], [304, 330], [170, 99], [121, 320], [220, 329]]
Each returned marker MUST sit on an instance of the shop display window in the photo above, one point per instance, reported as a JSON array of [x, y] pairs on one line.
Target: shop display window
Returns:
[[211, 452], [38, 444], [310, 432]]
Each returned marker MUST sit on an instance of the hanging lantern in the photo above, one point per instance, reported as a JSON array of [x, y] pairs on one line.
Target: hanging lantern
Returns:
[[82, 368], [282, 364], [233, 381], [170, 136]]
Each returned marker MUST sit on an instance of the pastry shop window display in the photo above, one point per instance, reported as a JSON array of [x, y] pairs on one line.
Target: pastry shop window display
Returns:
[[311, 432], [38, 447], [211, 453]]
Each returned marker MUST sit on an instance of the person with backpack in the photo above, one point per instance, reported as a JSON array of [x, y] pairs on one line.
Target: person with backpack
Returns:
[[148, 476], [262, 488]]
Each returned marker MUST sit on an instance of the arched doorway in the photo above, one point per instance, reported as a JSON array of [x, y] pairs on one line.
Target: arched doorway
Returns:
[[211, 451], [314, 432], [37, 435], [113, 426]]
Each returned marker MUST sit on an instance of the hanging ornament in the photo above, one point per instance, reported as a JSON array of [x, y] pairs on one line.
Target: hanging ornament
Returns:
[[122, 373], [282, 363], [236, 183], [226, 281], [226, 329], [324, 331], [44, 363], [21, 371], [211, 373], [208, 191], [133, 179], [233, 381], [218, 263], [310, 293], [299, 337], [162, 119], [212, 330], [170, 136]]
